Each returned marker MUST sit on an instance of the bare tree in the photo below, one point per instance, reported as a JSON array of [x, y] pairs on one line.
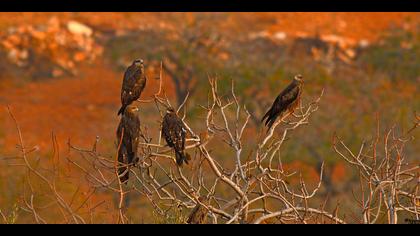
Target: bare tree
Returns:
[[233, 178], [255, 183], [388, 182]]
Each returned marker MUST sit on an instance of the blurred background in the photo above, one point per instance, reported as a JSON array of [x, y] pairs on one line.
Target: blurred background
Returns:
[[61, 74]]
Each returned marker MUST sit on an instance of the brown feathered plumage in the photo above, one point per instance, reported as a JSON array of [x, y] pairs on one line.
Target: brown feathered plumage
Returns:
[[133, 84], [129, 130], [174, 132], [199, 213], [287, 100]]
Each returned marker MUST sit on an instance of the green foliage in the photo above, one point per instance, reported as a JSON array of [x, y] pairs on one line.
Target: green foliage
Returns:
[[397, 56]]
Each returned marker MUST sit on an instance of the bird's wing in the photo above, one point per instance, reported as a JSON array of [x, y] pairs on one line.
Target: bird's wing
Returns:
[[178, 132], [134, 127], [129, 83], [139, 86], [184, 134], [167, 130], [122, 151], [122, 154], [181, 132], [283, 102], [286, 97], [119, 130]]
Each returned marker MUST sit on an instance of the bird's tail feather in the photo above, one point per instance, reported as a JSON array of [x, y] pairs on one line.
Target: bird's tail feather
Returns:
[[269, 120], [182, 157], [121, 110], [132, 158], [265, 116], [124, 173], [270, 123]]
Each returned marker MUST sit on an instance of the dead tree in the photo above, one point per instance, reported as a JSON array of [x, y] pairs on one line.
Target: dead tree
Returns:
[[389, 184], [232, 178]]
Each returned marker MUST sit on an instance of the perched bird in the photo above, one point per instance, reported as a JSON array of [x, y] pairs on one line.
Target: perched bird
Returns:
[[287, 100], [199, 213], [174, 132], [128, 133], [133, 84]]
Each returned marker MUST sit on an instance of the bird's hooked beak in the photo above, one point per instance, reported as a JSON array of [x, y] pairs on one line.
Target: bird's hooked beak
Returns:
[[139, 62], [133, 109], [299, 78], [170, 110]]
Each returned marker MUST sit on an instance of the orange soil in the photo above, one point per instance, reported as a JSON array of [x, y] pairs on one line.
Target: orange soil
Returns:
[[76, 108], [354, 25]]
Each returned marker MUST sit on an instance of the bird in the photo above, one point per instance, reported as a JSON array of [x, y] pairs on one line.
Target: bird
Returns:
[[199, 213], [174, 132], [133, 84], [128, 134], [287, 100]]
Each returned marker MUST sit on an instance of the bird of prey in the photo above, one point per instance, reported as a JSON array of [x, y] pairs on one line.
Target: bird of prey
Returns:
[[287, 100], [128, 133], [133, 84], [174, 132], [199, 213]]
